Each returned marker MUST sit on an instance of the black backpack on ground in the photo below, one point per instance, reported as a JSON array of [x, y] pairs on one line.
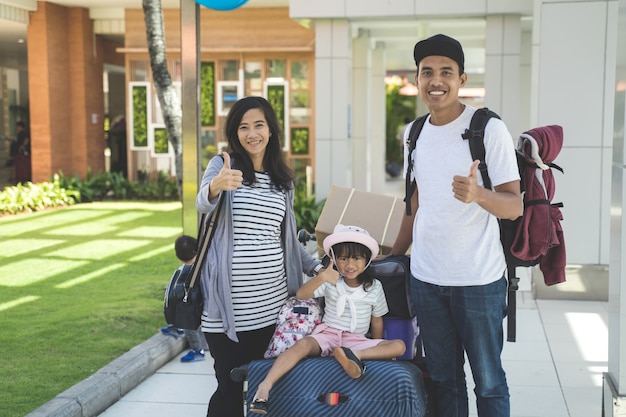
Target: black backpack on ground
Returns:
[[508, 228]]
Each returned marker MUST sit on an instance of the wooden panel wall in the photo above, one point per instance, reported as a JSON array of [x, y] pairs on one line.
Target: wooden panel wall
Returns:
[[241, 29]]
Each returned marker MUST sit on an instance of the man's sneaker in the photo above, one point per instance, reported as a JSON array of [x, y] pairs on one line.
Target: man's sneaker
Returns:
[[173, 331], [193, 356]]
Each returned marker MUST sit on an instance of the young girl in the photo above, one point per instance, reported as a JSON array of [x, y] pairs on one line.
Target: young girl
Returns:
[[354, 301]]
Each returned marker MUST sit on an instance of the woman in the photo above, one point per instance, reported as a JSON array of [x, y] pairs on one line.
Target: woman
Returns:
[[254, 261]]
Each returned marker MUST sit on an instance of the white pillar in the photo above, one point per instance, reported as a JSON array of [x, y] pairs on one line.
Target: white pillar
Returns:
[[563, 55], [333, 102], [361, 115], [614, 386], [378, 118], [502, 68]]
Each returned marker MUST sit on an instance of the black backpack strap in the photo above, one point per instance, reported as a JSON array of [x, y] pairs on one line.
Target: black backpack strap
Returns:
[[511, 304], [410, 186], [475, 135]]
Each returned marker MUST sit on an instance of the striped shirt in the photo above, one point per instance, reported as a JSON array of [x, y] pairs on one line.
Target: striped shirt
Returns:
[[373, 303], [258, 286]]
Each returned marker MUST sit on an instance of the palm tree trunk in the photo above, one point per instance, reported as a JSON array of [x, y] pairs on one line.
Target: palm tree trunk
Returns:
[[166, 92]]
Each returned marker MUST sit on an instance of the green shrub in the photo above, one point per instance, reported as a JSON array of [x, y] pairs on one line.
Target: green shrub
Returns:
[[28, 197], [63, 191], [306, 210], [114, 186]]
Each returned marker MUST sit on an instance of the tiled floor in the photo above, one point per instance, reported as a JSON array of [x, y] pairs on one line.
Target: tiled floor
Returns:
[[554, 369]]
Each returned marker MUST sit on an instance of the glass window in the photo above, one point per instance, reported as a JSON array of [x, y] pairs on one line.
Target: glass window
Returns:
[[299, 166], [276, 68], [177, 71], [276, 97], [228, 94], [208, 147], [299, 75], [230, 70], [252, 79], [139, 70], [300, 107]]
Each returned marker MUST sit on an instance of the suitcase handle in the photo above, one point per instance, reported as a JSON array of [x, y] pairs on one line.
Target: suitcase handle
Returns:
[[239, 373]]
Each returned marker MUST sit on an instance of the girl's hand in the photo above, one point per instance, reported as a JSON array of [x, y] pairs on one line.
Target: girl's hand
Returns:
[[329, 274]]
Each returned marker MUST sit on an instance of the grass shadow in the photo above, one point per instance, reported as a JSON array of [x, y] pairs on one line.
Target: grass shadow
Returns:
[[79, 287]]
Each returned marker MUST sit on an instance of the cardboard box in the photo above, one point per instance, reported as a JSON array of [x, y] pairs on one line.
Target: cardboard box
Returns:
[[379, 214]]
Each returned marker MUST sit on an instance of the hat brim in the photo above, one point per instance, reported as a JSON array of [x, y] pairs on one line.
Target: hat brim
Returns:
[[357, 237]]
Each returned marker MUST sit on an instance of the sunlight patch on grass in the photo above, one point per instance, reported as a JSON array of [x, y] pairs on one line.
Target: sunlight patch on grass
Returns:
[[19, 301], [17, 226], [30, 271], [84, 229], [98, 249], [151, 232], [133, 205], [154, 252], [109, 224], [89, 277], [15, 247]]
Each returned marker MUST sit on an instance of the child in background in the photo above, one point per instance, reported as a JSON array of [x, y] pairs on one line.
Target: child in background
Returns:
[[186, 250], [354, 300]]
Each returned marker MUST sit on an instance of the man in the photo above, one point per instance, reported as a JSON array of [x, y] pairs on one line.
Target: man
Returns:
[[457, 262], [22, 154], [23, 138]]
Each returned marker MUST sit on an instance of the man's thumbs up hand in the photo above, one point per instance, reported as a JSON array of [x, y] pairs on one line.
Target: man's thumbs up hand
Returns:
[[465, 189], [473, 168]]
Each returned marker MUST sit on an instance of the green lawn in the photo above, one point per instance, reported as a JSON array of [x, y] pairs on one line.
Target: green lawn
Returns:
[[79, 286]]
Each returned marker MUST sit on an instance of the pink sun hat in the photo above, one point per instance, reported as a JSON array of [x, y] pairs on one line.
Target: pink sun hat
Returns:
[[356, 234]]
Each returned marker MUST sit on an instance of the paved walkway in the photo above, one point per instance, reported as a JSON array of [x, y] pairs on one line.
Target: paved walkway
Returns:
[[554, 369]]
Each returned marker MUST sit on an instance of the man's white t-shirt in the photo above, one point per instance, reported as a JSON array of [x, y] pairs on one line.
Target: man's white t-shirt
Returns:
[[456, 243]]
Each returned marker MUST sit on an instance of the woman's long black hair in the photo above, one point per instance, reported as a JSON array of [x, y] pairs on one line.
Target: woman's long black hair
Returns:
[[274, 159], [352, 249]]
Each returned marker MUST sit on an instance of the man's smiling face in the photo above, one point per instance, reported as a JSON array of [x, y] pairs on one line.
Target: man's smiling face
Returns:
[[438, 82]]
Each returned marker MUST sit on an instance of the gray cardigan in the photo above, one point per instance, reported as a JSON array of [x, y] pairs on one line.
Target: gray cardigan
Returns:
[[217, 266]]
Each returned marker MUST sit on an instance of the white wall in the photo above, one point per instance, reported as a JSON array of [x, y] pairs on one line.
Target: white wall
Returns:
[[571, 88], [561, 74]]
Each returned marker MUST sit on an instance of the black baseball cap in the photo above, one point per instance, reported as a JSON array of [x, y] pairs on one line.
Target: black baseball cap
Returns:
[[440, 45]]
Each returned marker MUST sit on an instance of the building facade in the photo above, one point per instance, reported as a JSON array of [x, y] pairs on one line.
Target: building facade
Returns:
[[324, 64]]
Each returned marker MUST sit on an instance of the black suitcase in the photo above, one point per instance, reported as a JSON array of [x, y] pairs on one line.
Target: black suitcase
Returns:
[[394, 272], [320, 387]]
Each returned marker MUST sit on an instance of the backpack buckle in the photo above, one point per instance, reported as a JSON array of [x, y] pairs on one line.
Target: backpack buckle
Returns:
[[473, 134]]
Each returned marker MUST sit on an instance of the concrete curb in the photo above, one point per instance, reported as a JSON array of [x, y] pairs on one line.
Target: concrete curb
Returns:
[[98, 392]]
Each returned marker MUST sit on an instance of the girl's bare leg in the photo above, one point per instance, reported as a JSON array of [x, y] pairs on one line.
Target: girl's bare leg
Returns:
[[285, 362]]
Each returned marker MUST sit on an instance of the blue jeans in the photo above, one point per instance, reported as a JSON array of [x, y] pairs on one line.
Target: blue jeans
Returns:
[[458, 320]]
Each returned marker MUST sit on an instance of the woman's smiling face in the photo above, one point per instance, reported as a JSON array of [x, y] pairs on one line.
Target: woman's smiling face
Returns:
[[254, 135]]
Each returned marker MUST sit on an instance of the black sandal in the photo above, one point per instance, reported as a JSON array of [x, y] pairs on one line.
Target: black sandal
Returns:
[[259, 406], [349, 362]]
